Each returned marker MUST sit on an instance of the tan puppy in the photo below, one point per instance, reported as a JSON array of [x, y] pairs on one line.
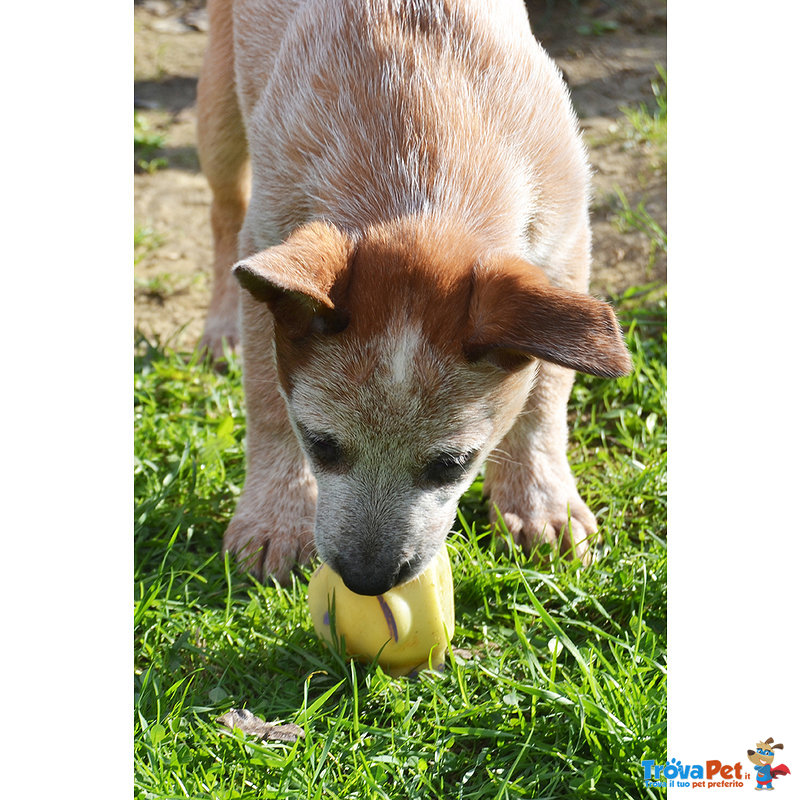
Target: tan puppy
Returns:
[[414, 257]]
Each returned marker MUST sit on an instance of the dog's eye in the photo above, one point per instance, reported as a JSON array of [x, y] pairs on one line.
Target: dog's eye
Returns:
[[326, 452], [447, 468]]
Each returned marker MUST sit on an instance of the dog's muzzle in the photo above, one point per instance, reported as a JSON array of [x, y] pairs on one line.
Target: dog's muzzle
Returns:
[[372, 578]]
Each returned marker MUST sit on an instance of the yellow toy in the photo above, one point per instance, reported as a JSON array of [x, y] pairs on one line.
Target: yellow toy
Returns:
[[408, 627]]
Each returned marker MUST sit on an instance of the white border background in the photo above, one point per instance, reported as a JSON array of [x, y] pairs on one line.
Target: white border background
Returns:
[[65, 405], [734, 437], [66, 327]]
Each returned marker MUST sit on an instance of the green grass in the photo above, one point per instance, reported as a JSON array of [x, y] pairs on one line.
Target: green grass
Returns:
[[145, 241], [556, 686], [146, 143], [647, 122], [638, 218], [646, 127], [164, 285], [597, 27]]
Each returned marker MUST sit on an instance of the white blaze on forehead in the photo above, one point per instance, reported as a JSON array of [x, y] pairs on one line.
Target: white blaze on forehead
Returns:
[[402, 346]]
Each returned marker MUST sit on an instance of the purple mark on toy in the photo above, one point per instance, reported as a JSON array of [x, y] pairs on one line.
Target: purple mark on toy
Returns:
[[390, 621]]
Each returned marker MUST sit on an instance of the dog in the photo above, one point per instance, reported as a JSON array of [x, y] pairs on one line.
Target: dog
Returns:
[[400, 218]]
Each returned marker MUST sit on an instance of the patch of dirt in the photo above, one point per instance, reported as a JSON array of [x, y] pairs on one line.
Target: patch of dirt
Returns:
[[608, 52]]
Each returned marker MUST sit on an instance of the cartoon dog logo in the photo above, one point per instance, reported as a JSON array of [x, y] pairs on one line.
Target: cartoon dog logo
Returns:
[[762, 757]]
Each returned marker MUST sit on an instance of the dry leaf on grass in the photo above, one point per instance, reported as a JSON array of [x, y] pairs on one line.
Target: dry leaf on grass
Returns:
[[248, 722]]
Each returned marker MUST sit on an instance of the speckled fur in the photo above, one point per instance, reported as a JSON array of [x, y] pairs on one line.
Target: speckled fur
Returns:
[[404, 155]]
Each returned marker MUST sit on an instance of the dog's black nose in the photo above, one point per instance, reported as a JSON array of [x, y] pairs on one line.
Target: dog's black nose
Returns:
[[369, 580]]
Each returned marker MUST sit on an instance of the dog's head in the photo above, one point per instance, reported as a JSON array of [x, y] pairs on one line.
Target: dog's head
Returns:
[[764, 753], [404, 358]]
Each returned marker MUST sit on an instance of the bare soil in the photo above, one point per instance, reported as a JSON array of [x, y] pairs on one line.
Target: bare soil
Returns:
[[608, 52]]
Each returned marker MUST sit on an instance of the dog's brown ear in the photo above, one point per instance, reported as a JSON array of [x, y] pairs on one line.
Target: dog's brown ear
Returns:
[[301, 279], [516, 315]]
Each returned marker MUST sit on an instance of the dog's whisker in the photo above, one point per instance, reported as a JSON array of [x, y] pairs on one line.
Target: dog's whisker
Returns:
[[307, 551], [504, 461], [501, 452], [503, 457]]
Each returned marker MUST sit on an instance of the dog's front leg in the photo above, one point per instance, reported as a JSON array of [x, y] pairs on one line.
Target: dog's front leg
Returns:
[[273, 527], [528, 477]]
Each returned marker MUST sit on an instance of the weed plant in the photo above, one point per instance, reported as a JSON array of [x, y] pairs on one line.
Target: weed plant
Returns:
[[146, 143], [646, 127], [638, 218], [648, 122]]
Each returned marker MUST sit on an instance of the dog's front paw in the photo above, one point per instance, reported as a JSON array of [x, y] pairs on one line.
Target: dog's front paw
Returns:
[[265, 545], [219, 332], [553, 515]]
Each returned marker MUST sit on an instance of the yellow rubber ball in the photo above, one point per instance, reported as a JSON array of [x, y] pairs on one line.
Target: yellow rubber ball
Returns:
[[408, 628]]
